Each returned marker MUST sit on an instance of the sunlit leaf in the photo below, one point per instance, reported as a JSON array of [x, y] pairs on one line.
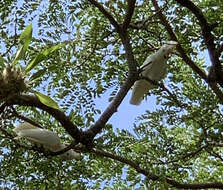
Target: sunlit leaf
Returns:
[[25, 39], [42, 56], [2, 60], [46, 100], [26, 35], [37, 75]]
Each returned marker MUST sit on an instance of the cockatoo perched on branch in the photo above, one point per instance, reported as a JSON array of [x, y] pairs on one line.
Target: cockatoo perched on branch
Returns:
[[154, 67], [47, 138]]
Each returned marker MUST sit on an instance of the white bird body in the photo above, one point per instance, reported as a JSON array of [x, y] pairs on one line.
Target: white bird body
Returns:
[[155, 68], [48, 139]]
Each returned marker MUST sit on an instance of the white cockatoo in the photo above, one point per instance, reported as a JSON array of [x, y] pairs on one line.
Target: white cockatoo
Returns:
[[48, 139], [155, 68]]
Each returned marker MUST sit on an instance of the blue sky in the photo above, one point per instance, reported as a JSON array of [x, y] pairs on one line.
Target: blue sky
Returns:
[[127, 113]]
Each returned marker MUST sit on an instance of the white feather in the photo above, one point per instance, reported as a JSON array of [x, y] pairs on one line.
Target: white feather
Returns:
[[155, 68], [45, 137], [70, 154]]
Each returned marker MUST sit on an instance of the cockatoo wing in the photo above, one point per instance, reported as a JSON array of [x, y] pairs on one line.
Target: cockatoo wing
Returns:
[[39, 135], [154, 67], [140, 88], [23, 126], [47, 138]]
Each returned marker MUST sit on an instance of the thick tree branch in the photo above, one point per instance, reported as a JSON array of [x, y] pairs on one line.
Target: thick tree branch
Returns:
[[106, 14], [30, 100], [132, 64], [154, 177], [184, 56], [206, 29], [112, 108], [179, 47], [129, 14], [133, 75]]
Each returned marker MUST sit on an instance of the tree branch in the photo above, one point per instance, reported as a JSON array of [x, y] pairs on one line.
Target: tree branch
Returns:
[[67, 148], [129, 14], [206, 29], [14, 41], [16, 114], [132, 64], [154, 177], [133, 75], [174, 38], [122, 33], [111, 109], [184, 56], [30, 100], [106, 14]]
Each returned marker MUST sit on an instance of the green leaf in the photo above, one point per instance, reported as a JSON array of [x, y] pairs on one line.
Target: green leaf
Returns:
[[2, 60], [46, 100], [42, 56], [26, 35], [25, 39], [37, 74], [20, 53]]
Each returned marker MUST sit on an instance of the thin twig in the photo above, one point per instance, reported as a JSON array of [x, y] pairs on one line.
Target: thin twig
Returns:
[[161, 85], [16, 114], [15, 39], [69, 147], [106, 13]]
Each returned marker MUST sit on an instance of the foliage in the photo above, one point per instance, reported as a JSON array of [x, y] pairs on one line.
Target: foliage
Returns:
[[69, 50]]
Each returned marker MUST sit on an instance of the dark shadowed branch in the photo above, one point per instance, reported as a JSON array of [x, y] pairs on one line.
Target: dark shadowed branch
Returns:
[[112, 108], [133, 73], [30, 100], [151, 176], [156, 177], [26, 119], [129, 13], [206, 29], [183, 54], [105, 13]]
